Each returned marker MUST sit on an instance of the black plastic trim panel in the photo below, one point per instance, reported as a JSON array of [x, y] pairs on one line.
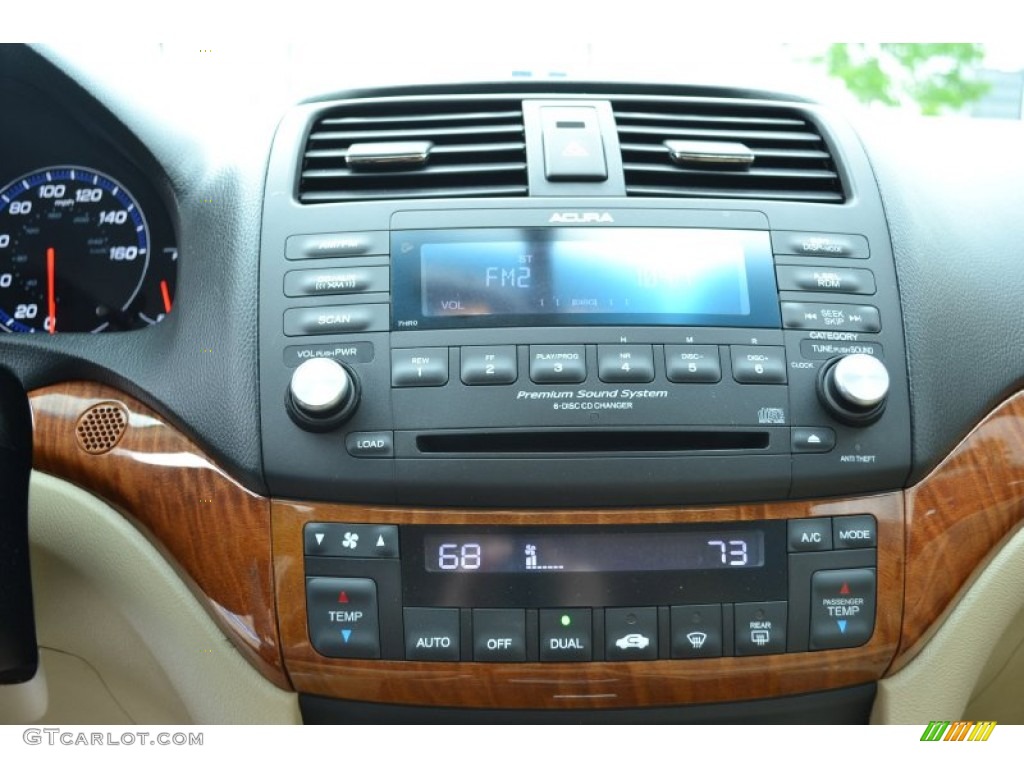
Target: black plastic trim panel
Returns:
[[846, 706]]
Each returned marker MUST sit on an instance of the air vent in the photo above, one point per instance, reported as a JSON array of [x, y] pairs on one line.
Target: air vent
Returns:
[[791, 160], [413, 148]]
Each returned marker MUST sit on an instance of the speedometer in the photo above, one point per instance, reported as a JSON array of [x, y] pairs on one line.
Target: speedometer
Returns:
[[74, 251]]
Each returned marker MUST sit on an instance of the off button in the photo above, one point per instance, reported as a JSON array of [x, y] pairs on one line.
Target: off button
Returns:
[[499, 634]]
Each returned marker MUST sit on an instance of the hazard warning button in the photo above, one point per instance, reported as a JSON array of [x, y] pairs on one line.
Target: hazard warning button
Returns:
[[842, 608]]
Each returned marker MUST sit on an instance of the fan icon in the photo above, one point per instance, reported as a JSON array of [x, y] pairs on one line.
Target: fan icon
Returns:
[[350, 540]]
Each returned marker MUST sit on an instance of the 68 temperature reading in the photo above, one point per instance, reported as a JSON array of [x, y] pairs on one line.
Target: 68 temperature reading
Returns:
[[732, 552], [458, 557]]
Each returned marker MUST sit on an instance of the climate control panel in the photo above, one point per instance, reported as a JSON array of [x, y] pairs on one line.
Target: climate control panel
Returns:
[[587, 593]]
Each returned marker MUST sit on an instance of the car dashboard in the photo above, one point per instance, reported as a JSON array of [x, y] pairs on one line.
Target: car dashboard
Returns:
[[525, 401]]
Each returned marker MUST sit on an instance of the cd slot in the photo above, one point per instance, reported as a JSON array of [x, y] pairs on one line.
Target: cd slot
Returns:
[[592, 441]]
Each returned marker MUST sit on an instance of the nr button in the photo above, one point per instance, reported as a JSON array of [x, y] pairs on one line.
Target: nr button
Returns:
[[621, 363]]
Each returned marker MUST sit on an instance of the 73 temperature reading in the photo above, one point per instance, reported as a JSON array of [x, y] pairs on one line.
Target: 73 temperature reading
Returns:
[[732, 552]]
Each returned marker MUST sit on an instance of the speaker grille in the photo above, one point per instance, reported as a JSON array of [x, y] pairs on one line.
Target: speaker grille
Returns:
[[101, 427]]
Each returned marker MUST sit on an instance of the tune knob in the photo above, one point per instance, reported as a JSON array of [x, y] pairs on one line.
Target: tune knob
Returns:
[[854, 388], [322, 394]]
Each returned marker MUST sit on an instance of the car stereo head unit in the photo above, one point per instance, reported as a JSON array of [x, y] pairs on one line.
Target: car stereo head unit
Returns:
[[579, 345]]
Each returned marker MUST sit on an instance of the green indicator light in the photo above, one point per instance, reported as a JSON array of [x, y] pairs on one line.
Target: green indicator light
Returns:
[[566, 621]]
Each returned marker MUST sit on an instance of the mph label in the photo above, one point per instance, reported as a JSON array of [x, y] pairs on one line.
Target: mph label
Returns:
[[593, 399]]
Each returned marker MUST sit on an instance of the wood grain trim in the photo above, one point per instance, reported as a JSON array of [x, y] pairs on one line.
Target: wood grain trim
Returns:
[[957, 516], [215, 531], [594, 685]]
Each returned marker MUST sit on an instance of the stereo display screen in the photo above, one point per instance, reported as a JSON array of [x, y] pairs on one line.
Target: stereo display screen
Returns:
[[563, 276]]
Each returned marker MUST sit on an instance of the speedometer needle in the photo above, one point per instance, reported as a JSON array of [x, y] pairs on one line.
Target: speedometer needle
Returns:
[[50, 294]]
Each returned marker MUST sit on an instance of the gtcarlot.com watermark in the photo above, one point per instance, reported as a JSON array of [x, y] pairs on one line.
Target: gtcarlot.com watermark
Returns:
[[71, 738]]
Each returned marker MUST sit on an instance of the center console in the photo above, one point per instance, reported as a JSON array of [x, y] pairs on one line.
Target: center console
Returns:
[[495, 417]]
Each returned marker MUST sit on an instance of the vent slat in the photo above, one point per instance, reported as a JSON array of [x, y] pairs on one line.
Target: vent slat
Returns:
[[440, 118], [738, 177], [672, 132], [417, 173], [477, 149], [743, 194], [682, 117], [792, 160], [413, 194], [762, 152], [442, 151], [404, 134]]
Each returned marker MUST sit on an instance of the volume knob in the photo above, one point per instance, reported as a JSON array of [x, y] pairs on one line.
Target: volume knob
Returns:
[[854, 388], [322, 394]]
